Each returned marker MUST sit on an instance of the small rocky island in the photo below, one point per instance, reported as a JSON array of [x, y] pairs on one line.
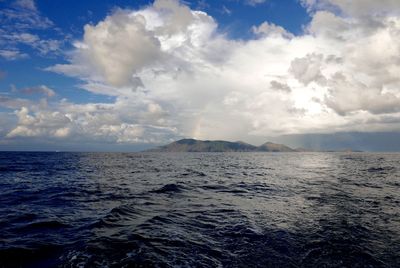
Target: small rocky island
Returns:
[[192, 145]]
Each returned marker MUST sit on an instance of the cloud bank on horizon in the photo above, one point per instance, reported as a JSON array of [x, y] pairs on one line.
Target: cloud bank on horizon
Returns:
[[171, 73]]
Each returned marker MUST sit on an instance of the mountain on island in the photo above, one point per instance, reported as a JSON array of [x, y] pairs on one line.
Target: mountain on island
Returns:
[[274, 147], [192, 145]]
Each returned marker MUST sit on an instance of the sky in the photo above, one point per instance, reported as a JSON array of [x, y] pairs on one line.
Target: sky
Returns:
[[127, 75]]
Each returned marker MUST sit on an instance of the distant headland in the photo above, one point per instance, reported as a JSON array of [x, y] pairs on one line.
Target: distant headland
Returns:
[[192, 145]]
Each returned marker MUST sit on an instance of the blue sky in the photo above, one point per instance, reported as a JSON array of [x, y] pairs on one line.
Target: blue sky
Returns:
[[131, 74]]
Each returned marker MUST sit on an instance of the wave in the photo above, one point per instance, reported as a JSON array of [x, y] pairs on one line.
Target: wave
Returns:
[[169, 188], [43, 225]]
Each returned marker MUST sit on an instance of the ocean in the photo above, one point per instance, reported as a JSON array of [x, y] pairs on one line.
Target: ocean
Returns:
[[199, 209]]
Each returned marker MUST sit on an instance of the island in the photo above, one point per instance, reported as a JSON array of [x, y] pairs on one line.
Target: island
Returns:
[[193, 145]]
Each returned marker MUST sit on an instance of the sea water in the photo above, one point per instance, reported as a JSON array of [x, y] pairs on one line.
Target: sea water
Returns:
[[199, 210]]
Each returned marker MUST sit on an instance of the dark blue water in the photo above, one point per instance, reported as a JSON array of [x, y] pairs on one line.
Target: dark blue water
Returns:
[[199, 210]]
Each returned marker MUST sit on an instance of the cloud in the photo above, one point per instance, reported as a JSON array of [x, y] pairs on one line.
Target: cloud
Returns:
[[266, 28], [12, 54], [26, 38], [23, 15], [225, 10], [44, 47], [42, 123], [78, 70], [13, 103], [254, 2], [115, 123], [172, 73], [26, 4], [44, 90], [280, 86], [351, 95], [133, 47], [139, 40], [357, 8], [308, 69]]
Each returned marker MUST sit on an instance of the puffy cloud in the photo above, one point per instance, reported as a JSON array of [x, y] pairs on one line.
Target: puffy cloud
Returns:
[[122, 122], [357, 8], [53, 124], [308, 69], [328, 25], [267, 28], [351, 95], [133, 47], [126, 43], [164, 48]]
